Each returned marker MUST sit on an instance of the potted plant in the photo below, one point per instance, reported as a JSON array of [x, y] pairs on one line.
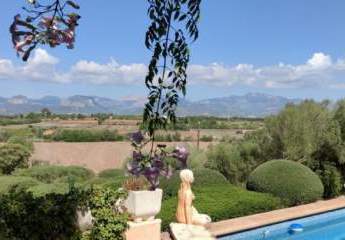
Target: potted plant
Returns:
[[145, 197]]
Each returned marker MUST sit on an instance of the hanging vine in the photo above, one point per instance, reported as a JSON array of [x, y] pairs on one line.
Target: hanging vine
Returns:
[[174, 24]]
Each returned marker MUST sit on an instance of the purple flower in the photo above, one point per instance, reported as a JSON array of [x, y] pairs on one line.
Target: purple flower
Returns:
[[137, 156], [181, 154], [137, 137]]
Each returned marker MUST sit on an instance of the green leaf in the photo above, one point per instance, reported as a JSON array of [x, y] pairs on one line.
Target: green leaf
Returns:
[[73, 4]]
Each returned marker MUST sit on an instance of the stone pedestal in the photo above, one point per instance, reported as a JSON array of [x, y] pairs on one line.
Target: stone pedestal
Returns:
[[147, 230], [189, 232]]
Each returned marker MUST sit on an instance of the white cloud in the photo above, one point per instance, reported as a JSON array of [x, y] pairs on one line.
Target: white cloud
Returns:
[[318, 71], [108, 73]]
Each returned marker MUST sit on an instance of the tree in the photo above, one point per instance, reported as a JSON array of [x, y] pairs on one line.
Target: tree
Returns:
[[339, 116], [46, 112]]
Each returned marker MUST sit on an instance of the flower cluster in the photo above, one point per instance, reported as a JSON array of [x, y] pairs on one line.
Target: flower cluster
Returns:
[[45, 25], [153, 165]]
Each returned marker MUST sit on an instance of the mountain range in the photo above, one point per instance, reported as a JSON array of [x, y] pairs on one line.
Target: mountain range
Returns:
[[249, 105]]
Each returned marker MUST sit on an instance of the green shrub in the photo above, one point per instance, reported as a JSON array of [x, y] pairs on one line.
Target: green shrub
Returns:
[[288, 180], [44, 189], [50, 174], [206, 138], [49, 217], [226, 158], [9, 182], [196, 158], [332, 181], [26, 142], [13, 156], [105, 182], [168, 137], [222, 202], [17, 121], [25, 133], [112, 173], [202, 177], [109, 223], [84, 135]]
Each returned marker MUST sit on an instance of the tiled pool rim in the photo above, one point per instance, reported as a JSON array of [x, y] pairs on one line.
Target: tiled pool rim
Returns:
[[252, 222], [282, 228]]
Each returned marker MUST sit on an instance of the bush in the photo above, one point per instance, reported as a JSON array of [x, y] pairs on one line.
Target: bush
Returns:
[[332, 181], [112, 173], [222, 202], [109, 223], [288, 180], [49, 174], [44, 189], [9, 182], [206, 138], [24, 133], [168, 137], [196, 158], [83, 135], [49, 217], [13, 156], [203, 177], [227, 159], [24, 141], [111, 178]]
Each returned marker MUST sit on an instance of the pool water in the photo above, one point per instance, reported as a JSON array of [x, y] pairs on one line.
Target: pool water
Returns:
[[326, 226]]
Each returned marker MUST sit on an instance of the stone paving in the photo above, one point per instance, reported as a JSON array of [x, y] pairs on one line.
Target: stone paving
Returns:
[[262, 219]]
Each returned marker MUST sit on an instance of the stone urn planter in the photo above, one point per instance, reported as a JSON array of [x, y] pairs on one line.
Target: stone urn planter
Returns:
[[144, 205]]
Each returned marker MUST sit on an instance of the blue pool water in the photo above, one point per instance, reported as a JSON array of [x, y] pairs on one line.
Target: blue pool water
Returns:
[[326, 226]]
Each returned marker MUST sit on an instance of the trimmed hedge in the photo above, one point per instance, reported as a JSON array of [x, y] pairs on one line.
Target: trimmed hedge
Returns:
[[44, 189], [222, 202], [9, 182], [203, 177], [288, 180], [49, 174]]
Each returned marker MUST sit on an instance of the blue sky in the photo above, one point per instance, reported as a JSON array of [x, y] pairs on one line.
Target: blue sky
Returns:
[[293, 48]]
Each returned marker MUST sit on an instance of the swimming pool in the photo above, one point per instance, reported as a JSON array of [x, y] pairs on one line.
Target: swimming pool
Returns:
[[325, 226]]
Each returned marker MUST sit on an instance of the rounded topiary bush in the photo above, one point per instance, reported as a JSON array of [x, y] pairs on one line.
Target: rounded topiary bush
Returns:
[[288, 180], [203, 177], [50, 174]]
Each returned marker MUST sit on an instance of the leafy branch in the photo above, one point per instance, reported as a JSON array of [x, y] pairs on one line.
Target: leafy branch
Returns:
[[173, 23]]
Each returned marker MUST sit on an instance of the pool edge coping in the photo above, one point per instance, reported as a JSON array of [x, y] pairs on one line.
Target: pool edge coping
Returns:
[[241, 224]]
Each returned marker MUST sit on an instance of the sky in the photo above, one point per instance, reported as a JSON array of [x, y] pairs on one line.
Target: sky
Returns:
[[291, 48]]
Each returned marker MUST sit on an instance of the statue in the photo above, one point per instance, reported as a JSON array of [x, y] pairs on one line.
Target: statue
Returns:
[[186, 213]]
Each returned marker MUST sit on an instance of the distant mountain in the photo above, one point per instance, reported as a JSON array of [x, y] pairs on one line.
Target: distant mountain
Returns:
[[249, 105]]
